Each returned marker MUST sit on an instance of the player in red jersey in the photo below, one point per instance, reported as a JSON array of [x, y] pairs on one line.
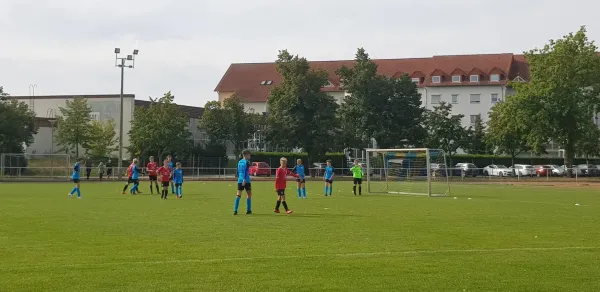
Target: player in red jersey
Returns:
[[129, 180], [151, 170], [165, 178], [281, 184]]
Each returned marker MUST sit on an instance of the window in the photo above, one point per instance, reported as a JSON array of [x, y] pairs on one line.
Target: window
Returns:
[[495, 77], [495, 98], [436, 79], [474, 78], [455, 98], [456, 78], [473, 118], [475, 98], [416, 80], [269, 82], [264, 82], [437, 98]]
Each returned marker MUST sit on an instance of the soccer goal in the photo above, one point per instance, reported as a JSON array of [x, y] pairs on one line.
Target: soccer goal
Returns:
[[417, 171]]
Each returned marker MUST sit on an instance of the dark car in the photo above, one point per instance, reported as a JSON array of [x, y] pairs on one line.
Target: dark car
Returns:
[[467, 169], [588, 170]]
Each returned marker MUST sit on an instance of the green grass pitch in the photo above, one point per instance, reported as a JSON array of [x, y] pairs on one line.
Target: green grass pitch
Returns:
[[505, 238]]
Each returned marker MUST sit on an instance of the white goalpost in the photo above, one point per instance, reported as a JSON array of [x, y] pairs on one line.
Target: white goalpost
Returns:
[[412, 171]]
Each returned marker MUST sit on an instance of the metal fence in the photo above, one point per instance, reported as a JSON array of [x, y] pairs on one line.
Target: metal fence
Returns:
[[454, 175]]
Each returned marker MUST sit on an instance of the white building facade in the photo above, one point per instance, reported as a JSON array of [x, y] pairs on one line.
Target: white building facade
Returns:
[[104, 107]]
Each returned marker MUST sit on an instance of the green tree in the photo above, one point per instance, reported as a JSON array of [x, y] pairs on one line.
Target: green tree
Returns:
[[386, 109], [228, 123], [506, 134], [73, 127], [563, 94], [589, 145], [444, 130], [300, 114], [17, 125], [159, 129], [475, 142], [103, 140]]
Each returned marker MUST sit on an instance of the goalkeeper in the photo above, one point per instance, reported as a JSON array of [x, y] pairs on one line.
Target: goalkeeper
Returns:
[[357, 174]]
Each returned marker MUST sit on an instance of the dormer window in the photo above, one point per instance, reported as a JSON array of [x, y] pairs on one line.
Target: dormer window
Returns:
[[266, 82], [495, 77], [456, 78], [436, 79], [269, 82], [416, 80], [474, 78]]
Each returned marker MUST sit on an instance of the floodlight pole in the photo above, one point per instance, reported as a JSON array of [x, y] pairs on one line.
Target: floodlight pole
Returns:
[[122, 66]]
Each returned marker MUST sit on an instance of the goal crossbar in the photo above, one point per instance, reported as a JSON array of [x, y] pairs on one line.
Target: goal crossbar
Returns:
[[408, 171]]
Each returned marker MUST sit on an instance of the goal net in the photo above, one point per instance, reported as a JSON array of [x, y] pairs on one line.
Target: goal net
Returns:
[[418, 171]]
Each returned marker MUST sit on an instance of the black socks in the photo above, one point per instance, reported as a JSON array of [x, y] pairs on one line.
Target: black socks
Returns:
[[277, 205], [285, 205], [125, 188]]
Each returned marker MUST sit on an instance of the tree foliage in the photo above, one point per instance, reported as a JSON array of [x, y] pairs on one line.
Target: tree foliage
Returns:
[[17, 125], [103, 140], [73, 125], [159, 129], [444, 129], [475, 138], [563, 94], [228, 122], [300, 114], [386, 109], [506, 134]]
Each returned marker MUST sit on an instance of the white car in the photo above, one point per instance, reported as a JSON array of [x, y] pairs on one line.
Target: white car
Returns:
[[558, 170], [524, 170], [497, 170]]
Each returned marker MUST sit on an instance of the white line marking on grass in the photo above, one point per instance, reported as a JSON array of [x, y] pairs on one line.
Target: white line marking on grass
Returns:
[[340, 255]]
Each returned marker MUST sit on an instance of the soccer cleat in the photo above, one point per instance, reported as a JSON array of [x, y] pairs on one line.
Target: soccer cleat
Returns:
[[248, 212], [289, 212], [277, 211], [70, 195], [235, 213], [123, 193], [79, 198]]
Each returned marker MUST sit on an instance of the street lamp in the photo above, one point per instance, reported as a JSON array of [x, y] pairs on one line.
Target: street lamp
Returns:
[[52, 121], [121, 63]]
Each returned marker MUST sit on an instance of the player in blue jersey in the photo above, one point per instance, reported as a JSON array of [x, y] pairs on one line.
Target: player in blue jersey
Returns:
[[172, 167], [301, 180], [328, 177], [135, 177], [243, 173], [76, 176], [178, 180]]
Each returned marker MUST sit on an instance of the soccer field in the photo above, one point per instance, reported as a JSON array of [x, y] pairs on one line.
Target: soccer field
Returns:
[[505, 238]]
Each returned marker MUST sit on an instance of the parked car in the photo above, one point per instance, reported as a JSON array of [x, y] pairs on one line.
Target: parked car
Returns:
[[468, 169], [497, 170], [439, 169], [524, 170], [576, 170], [260, 168], [318, 169], [558, 170], [542, 170], [588, 169]]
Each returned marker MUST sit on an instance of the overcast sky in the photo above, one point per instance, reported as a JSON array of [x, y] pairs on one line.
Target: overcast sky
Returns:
[[65, 46]]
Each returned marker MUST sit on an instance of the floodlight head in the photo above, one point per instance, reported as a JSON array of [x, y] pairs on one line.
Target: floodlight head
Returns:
[[135, 52], [129, 57], [117, 50]]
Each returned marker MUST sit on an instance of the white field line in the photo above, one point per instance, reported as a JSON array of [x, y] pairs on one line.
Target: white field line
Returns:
[[339, 255]]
